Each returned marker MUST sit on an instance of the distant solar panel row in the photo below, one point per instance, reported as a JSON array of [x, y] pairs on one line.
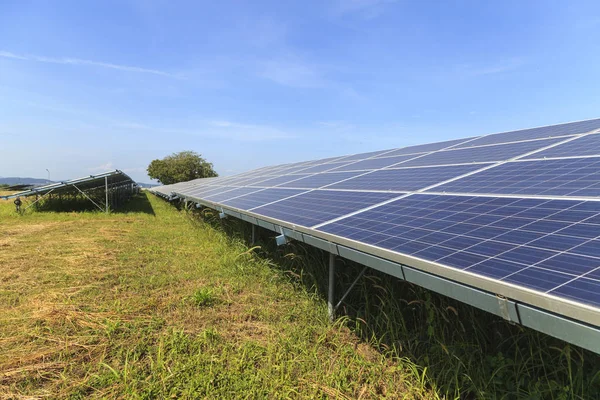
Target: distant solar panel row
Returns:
[[473, 206]]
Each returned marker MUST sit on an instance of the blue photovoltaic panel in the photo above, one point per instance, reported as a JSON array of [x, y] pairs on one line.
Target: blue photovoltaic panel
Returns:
[[318, 206], [253, 180], [363, 156], [375, 163], [201, 191], [236, 192], [322, 167], [562, 177], [405, 179], [499, 152], [320, 180], [534, 243], [571, 128], [584, 146], [279, 180], [323, 160], [292, 170], [582, 290], [425, 148], [260, 198]]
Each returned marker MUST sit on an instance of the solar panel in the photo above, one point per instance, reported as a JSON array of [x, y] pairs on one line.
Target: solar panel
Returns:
[[480, 154], [375, 163], [571, 128], [494, 237], [278, 180], [318, 206], [515, 214], [582, 146], [230, 194], [323, 167], [320, 180], [260, 198], [404, 179], [425, 148], [363, 156], [559, 177]]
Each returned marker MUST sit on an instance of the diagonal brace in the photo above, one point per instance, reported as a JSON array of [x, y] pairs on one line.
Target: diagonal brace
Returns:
[[89, 198], [40, 198]]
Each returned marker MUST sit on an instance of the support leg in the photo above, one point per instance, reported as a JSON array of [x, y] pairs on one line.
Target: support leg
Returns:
[[253, 235], [331, 291], [106, 206]]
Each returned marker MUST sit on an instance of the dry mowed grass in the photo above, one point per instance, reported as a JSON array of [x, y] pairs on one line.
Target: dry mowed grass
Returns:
[[152, 303]]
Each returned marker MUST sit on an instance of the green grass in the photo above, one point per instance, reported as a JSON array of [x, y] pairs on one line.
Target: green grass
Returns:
[[153, 302], [456, 350]]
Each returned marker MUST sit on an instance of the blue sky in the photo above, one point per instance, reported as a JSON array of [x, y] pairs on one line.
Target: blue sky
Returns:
[[90, 86]]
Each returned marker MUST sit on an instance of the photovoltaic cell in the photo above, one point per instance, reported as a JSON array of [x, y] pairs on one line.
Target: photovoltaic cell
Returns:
[[236, 192], [499, 152], [571, 128], [584, 146], [320, 180], [424, 148], [201, 191], [375, 163], [363, 156], [562, 177], [406, 179], [279, 180], [260, 198], [450, 230], [318, 206], [322, 167]]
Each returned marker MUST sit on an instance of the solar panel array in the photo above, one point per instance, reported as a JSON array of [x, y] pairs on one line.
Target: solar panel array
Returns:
[[517, 209]]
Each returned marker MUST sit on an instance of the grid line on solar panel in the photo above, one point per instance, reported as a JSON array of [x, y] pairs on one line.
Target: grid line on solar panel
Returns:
[[375, 163], [230, 194], [566, 129], [425, 148], [323, 167], [314, 207], [260, 198], [498, 238], [492, 153], [588, 145], [408, 179], [278, 180], [577, 177], [364, 156], [320, 180]]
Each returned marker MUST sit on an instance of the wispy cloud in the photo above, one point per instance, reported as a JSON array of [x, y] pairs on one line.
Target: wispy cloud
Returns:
[[90, 63], [248, 131], [293, 72], [499, 67], [101, 168], [336, 125], [367, 8], [134, 169], [214, 129]]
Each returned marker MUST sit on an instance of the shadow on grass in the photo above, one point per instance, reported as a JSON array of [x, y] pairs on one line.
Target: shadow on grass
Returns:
[[138, 203], [460, 351]]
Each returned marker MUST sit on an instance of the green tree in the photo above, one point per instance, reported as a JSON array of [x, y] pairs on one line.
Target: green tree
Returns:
[[180, 167]]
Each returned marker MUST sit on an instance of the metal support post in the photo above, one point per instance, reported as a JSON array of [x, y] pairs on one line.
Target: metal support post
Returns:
[[331, 291], [106, 193], [253, 234]]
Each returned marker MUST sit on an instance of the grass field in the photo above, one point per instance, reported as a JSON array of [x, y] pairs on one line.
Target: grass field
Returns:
[[155, 302]]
